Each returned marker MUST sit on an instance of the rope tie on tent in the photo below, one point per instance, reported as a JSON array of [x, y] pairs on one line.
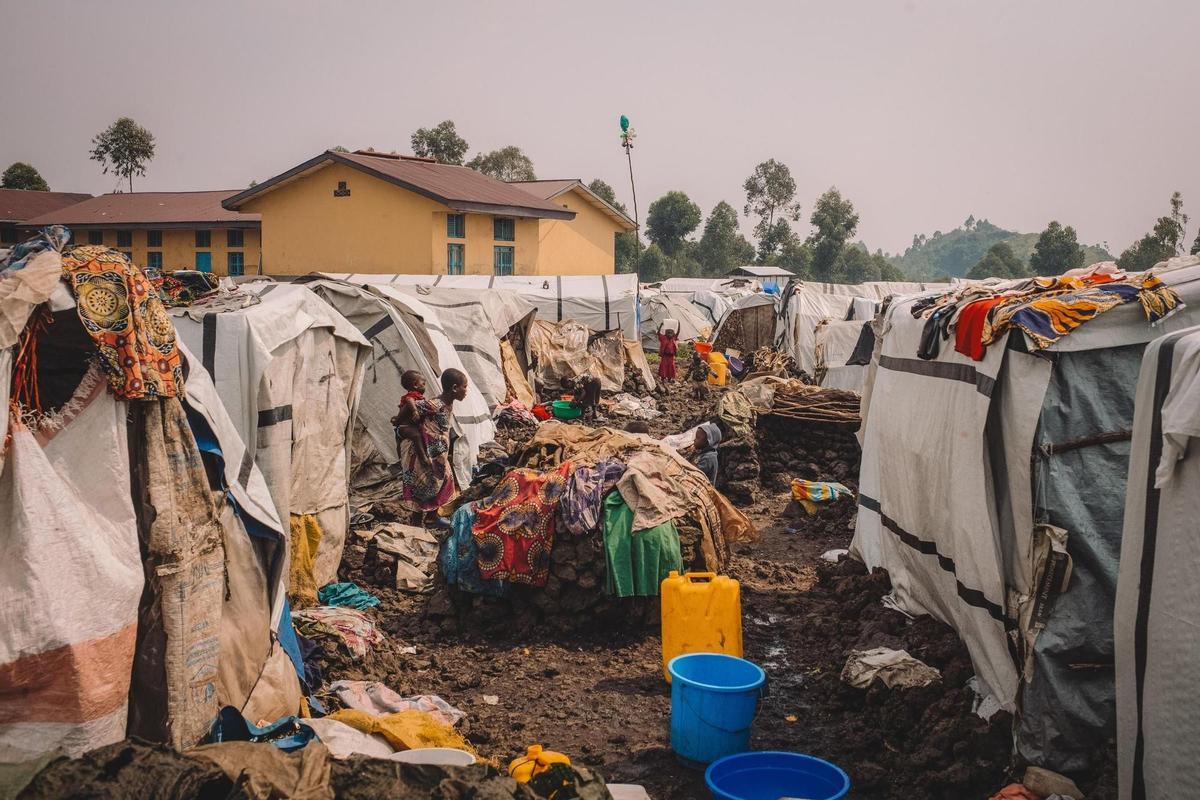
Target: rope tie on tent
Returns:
[[25, 368]]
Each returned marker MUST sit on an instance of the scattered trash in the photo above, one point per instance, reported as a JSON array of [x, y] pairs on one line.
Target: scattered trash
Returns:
[[515, 412], [411, 650], [895, 668], [413, 552], [811, 494], [681, 440], [351, 626], [350, 595], [628, 791], [628, 405], [491, 699], [791, 718], [985, 705], [375, 698], [1045, 783], [835, 555], [344, 741], [406, 730]]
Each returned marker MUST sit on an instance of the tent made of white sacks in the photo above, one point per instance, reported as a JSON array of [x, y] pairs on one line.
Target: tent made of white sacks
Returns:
[[993, 492]]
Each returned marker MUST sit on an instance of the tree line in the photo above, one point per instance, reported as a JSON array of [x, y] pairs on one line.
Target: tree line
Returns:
[[828, 253]]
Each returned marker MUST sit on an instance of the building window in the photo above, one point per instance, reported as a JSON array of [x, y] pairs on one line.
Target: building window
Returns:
[[154, 259], [124, 238], [203, 238], [456, 226], [204, 262], [505, 229], [341, 190], [234, 265], [234, 238], [454, 259], [9, 236], [95, 237], [153, 238], [503, 263]]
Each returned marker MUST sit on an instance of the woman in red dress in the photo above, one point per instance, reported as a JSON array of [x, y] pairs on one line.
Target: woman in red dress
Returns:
[[667, 347]]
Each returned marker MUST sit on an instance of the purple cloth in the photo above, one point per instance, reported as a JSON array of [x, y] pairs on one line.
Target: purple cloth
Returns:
[[581, 505]]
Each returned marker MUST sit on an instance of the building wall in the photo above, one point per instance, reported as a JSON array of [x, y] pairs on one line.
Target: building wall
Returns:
[[479, 254], [179, 247], [585, 245], [378, 227]]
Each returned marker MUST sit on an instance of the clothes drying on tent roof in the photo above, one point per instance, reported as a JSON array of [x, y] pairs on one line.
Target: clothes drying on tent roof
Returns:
[[1044, 309]]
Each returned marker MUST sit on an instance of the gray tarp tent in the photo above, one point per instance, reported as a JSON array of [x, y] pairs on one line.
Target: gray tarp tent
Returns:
[[979, 479], [1157, 619], [601, 302], [658, 307]]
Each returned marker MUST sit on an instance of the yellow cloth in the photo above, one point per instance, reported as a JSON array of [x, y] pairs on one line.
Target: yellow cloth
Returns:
[[306, 538], [406, 730]]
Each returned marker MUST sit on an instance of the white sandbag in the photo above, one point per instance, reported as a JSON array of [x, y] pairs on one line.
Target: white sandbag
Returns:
[[70, 583]]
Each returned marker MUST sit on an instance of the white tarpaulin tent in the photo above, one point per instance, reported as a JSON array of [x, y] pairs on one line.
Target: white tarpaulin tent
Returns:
[[474, 320], [657, 307], [406, 334], [1157, 618], [834, 344], [288, 371], [992, 492], [808, 303], [601, 302]]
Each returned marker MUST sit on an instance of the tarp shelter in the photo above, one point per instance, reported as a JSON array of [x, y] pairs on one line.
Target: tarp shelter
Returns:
[[288, 370], [475, 320], [1157, 618], [772, 278], [657, 307], [993, 491], [142, 586], [808, 303], [834, 342], [749, 324], [601, 302], [568, 350], [405, 334]]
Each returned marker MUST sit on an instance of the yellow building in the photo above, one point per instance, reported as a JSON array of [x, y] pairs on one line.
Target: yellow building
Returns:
[[371, 212], [166, 230]]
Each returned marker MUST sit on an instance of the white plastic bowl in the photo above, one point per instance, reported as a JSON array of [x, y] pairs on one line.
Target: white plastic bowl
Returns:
[[441, 756]]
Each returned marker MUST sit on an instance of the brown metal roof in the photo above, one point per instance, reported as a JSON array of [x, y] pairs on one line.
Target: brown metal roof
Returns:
[[19, 205], [460, 188], [140, 209], [550, 189], [547, 190]]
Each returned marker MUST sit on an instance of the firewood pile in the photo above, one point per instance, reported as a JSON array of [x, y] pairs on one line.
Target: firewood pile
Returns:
[[768, 361], [803, 402]]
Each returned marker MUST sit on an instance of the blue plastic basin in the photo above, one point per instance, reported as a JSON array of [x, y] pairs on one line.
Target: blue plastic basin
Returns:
[[768, 775], [714, 699]]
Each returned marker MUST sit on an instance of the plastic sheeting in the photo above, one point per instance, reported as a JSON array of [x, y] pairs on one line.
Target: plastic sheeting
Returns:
[[658, 307], [600, 302]]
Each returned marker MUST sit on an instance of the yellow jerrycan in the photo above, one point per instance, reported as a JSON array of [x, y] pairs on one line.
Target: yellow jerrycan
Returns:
[[701, 613], [535, 761]]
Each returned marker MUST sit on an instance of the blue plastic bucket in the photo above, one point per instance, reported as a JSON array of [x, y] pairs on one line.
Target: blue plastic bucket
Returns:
[[714, 699], [771, 775]]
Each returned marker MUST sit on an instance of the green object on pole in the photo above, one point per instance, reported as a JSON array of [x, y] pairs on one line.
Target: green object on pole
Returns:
[[624, 123]]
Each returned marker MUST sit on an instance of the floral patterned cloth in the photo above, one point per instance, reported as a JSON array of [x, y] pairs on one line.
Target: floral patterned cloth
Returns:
[[121, 311], [427, 487], [514, 526]]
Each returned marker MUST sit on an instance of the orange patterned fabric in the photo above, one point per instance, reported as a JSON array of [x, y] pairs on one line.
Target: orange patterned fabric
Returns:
[[122, 313]]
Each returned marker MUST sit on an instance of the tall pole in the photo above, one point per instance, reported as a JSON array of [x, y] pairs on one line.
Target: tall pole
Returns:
[[627, 137]]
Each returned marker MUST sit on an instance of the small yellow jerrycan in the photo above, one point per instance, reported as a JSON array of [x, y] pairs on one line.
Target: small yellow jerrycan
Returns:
[[534, 762], [701, 613]]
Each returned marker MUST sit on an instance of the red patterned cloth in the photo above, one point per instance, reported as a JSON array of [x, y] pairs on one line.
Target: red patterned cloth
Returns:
[[123, 314], [514, 526]]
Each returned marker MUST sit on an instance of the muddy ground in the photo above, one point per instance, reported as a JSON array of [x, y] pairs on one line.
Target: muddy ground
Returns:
[[594, 689]]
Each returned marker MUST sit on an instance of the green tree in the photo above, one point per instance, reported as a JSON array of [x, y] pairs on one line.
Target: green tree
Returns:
[[626, 247], [20, 175], [440, 142], [998, 262], [722, 246], [835, 221], [1165, 241], [770, 192], [1196, 245], [670, 219], [125, 148], [887, 270], [506, 164], [774, 241], [1057, 250]]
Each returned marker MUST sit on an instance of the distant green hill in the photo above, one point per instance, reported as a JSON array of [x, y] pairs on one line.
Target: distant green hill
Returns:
[[954, 253]]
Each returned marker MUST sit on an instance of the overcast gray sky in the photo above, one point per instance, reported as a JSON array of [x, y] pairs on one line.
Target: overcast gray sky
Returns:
[[921, 112]]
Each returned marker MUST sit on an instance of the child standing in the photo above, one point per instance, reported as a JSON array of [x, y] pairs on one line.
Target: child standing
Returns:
[[698, 373]]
